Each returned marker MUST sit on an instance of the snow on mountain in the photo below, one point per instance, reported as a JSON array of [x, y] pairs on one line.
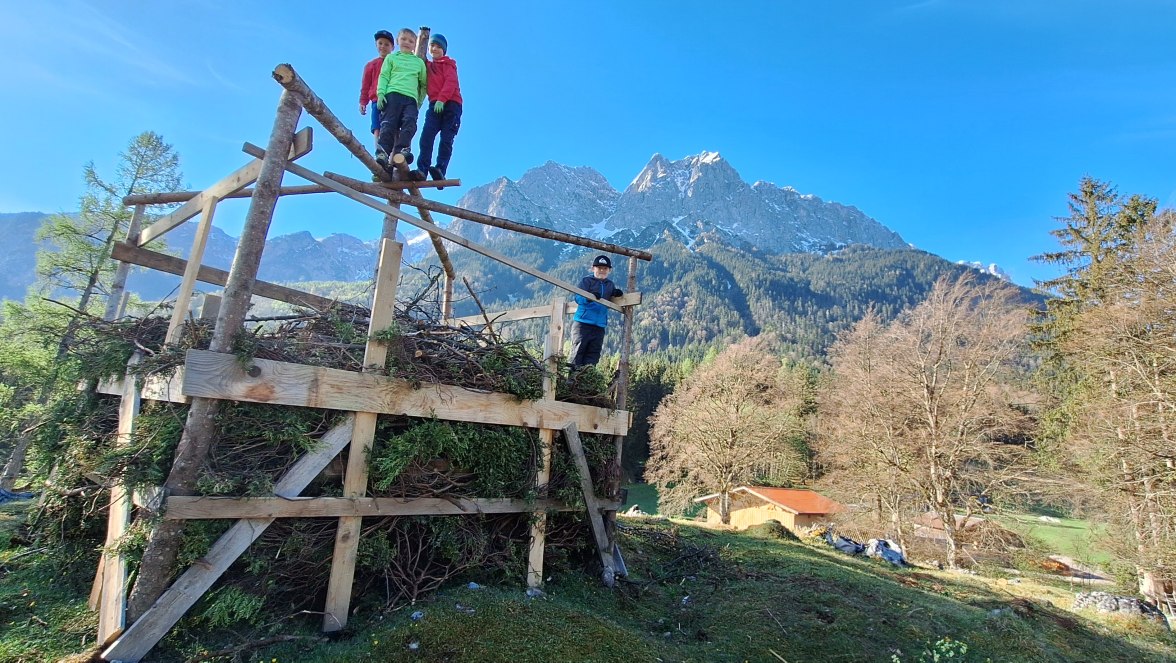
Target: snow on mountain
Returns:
[[991, 268], [700, 195]]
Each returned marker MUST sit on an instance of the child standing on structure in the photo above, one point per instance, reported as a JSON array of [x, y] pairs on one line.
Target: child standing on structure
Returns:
[[401, 90], [445, 114], [369, 86], [591, 318]]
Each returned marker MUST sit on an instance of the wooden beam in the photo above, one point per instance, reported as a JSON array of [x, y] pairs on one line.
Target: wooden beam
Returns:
[[408, 218], [603, 547], [114, 302], [175, 328], [374, 189], [215, 375], [138, 639], [235, 181], [205, 274], [229, 508], [552, 349], [173, 197], [355, 478], [153, 388], [624, 301], [113, 602]]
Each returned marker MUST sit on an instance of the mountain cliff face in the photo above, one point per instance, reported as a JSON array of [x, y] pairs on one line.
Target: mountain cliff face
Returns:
[[697, 197]]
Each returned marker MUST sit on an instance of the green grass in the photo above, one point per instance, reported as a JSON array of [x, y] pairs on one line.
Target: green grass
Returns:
[[694, 595], [1069, 536]]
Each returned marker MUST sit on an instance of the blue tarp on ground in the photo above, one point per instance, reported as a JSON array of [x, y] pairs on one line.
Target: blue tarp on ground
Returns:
[[9, 496]]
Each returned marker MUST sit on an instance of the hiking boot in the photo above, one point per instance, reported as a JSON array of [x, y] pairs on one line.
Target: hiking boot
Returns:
[[382, 159], [436, 173], [407, 155], [416, 175]]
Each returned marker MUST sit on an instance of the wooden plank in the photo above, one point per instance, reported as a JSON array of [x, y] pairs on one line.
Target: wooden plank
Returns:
[[235, 181], [312, 176], [173, 265], [632, 299], [141, 636], [552, 349], [603, 547], [154, 388], [355, 478], [184, 297], [113, 600], [231, 508], [215, 375]]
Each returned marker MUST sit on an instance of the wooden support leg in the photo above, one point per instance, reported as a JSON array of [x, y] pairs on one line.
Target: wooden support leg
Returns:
[[599, 535], [553, 347], [113, 568], [114, 303], [356, 478], [184, 299]]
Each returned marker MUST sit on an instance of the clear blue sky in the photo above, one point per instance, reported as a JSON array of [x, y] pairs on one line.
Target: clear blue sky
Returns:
[[960, 124]]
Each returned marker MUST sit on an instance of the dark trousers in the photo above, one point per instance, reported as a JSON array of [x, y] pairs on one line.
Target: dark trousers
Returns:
[[447, 122], [398, 124], [587, 342]]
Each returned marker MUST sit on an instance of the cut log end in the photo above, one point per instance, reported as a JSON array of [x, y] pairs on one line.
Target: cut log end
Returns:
[[284, 73]]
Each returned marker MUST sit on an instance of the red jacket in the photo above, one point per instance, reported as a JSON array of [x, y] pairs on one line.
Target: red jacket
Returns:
[[371, 80], [443, 79]]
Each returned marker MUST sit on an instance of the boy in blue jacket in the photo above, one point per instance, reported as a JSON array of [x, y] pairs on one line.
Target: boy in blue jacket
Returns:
[[591, 318]]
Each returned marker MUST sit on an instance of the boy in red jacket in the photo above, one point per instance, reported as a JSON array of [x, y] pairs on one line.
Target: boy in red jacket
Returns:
[[371, 79], [444, 113]]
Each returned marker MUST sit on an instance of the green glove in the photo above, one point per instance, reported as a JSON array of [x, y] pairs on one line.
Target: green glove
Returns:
[[380, 103], [438, 107]]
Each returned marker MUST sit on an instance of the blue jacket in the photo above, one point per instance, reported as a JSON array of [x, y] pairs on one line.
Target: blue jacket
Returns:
[[590, 312]]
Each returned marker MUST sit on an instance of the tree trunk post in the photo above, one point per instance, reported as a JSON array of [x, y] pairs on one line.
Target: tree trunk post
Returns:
[[616, 477], [200, 428], [114, 301]]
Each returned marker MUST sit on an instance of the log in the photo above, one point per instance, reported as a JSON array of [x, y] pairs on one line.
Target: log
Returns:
[[285, 75], [451, 236], [173, 265], [373, 189], [625, 301], [401, 165], [188, 283], [200, 426], [173, 197]]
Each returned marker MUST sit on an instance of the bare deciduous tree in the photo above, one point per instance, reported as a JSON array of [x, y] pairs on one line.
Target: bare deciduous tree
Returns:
[[926, 413], [727, 425]]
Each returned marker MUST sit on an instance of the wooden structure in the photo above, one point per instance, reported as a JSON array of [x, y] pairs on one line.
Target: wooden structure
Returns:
[[211, 376], [754, 505]]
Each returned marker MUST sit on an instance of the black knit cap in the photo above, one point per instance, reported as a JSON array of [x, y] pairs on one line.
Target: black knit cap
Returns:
[[602, 261]]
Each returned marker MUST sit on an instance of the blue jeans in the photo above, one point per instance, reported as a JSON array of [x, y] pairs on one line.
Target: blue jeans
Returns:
[[447, 122], [374, 112], [398, 123]]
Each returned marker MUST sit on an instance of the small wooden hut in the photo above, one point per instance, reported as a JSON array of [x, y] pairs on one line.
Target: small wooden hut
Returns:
[[754, 505]]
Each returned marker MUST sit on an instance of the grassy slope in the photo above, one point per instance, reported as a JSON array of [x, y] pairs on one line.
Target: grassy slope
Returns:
[[757, 595]]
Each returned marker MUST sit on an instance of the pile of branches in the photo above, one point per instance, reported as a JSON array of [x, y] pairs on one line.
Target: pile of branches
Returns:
[[399, 558]]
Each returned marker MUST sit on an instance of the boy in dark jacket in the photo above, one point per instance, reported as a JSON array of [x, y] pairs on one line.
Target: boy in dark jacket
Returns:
[[368, 97], [591, 318], [445, 114]]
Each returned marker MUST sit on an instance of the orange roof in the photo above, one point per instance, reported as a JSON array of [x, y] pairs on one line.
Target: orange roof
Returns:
[[796, 500]]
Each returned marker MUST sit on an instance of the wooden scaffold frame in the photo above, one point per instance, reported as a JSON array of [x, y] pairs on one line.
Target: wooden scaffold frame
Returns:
[[209, 376]]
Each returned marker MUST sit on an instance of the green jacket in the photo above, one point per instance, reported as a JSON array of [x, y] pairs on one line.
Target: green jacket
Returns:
[[404, 73]]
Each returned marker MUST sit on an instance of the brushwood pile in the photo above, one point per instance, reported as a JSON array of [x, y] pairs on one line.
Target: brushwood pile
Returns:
[[400, 559]]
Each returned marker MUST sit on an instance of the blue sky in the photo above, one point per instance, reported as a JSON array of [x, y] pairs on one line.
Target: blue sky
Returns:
[[960, 124]]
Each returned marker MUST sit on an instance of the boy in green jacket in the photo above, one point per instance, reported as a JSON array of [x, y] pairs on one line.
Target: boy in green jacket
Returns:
[[403, 82]]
